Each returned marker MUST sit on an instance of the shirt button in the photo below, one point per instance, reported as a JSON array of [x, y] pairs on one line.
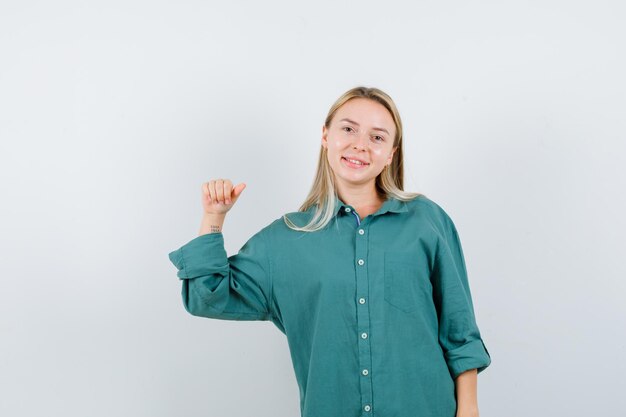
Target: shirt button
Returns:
[[365, 372], [361, 231], [361, 262], [361, 300], [363, 335], [367, 408], [348, 209]]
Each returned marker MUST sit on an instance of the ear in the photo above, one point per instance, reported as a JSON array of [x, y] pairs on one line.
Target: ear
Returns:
[[324, 137]]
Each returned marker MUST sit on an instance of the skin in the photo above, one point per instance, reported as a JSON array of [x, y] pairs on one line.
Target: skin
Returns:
[[218, 197], [355, 131], [466, 394]]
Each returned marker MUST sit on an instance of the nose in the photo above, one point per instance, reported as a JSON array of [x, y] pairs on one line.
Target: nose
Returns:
[[360, 141]]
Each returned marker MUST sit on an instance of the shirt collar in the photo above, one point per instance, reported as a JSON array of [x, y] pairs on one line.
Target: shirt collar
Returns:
[[392, 204]]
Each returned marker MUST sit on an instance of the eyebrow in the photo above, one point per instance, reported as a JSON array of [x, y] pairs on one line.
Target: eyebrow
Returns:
[[355, 123]]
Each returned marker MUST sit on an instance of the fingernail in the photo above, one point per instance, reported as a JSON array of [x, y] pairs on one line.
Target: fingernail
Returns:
[[227, 201]]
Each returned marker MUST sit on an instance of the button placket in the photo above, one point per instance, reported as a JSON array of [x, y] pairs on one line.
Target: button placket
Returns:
[[363, 313], [349, 210]]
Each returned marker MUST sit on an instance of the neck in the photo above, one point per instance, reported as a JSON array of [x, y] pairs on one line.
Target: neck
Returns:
[[364, 196]]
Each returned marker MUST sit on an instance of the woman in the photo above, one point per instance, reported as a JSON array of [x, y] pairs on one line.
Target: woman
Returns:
[[367, 281]]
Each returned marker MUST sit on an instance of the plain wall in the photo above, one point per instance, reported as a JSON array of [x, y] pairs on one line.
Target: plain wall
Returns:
[[112, 115]]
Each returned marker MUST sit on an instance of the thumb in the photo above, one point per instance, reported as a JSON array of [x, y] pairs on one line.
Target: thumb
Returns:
[[238, 189]]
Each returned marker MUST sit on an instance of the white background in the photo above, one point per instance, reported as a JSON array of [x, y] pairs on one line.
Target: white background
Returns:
[[112, 114]]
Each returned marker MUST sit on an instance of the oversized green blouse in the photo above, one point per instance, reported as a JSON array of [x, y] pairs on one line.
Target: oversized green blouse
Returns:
[[377, 312]]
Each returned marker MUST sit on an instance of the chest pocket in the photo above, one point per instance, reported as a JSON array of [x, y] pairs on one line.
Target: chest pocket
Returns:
[[407, 281]]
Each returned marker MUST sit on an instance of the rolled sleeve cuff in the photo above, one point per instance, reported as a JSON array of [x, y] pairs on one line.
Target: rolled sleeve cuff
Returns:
[[202, 255], [472, 355]]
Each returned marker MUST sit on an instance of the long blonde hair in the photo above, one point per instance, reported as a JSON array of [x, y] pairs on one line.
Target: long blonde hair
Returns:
[[389, 183]]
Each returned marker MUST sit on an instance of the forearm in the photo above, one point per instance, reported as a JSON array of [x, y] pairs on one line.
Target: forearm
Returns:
[[222, 287], [466, 394], [211, 223]]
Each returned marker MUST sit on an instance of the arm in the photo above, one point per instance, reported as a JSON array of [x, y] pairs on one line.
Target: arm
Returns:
[[217, 286], [211, 223], [466, 394], [459, 335]]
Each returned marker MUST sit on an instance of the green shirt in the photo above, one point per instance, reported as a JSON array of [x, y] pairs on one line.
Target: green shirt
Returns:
[[377, 311]]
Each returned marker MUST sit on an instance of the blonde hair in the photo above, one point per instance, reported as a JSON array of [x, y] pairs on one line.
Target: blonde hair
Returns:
[[389, 183]]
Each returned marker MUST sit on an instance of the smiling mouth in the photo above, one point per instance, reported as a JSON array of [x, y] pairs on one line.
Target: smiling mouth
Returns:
[[354, 163]]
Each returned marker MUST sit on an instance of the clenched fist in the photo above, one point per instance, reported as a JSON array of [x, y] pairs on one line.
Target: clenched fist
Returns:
[[219, 196]]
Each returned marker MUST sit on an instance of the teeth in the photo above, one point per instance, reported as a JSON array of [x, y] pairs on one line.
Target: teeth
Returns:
[[355, 162]]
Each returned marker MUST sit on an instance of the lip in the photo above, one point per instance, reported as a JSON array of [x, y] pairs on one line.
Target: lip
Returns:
[[354, 166], [355, 159]]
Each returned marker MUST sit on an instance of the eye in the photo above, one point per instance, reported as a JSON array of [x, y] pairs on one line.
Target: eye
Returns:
[[347, 129], [379, 138]]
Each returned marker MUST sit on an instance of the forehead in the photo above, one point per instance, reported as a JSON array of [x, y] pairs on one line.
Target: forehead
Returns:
[[366, 113]]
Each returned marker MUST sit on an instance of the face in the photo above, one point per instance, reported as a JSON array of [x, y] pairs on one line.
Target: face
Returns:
[[359, 141]]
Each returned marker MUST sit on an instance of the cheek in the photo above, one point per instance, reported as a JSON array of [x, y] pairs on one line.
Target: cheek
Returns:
[[336, 145], [379, 153], [332, 151], [338, 142]]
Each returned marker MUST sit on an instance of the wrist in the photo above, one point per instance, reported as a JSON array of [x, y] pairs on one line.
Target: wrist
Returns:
[[214, 216], [466, 410], [466, 403], [212, 223]]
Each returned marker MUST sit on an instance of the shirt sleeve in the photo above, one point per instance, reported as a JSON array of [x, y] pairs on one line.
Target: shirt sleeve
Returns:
[[459, 335], [216, 286]]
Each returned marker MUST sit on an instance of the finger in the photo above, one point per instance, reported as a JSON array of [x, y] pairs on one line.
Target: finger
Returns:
[[213, 193], [205, 191], [228, 189], [238, 189], [219, 189]]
